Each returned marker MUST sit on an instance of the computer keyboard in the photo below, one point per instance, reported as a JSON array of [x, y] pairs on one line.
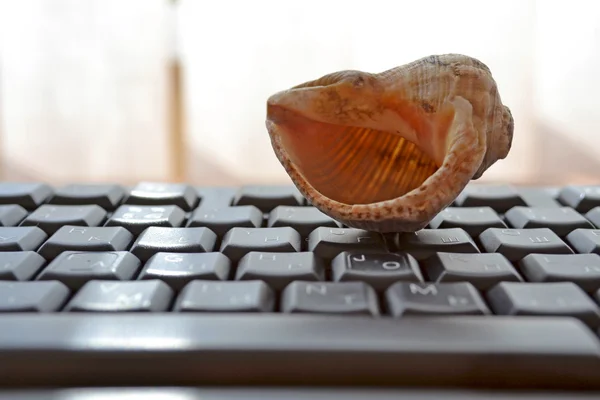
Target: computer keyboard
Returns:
[[175, 285]]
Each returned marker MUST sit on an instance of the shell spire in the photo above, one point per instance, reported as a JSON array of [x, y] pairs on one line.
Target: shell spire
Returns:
[[388, 151]]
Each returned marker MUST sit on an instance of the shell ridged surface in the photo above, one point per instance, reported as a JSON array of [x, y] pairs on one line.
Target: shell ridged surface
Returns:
[[388, 151]]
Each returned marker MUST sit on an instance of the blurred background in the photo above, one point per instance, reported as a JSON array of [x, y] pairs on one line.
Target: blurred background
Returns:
[[130, 90]]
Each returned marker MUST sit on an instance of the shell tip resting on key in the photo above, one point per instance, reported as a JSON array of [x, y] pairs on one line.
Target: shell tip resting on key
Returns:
[[388, 151]]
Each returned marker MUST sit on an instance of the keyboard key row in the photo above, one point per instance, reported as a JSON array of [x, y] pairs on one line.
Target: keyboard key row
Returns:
[[475, 220], [400, 299], [327, 243], [31, 195], [136, 218], [500, 197], [379, 270], [227, 214]]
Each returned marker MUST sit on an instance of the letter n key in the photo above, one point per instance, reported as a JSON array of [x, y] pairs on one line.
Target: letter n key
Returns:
[[330, 297]]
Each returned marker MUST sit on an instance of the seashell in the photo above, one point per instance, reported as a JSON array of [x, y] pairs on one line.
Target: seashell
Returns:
[[388, 151]]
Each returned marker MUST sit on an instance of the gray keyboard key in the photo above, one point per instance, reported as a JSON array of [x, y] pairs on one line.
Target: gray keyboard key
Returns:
[[544, 299], [221, 220], [110, 296], [12, 214], [137, 218], [21, 238], [52, 217], [378, 269], [426, 242], [232, 296], [540, 196], [481, 270], [499, 197], [473, 220], [80, 238], [280, 269], [461, 298], [515, 244], [594, 216], [215, 197], [327, 243], [267, 198], [355, 298], [38, 296], [107, 196], [20, 265], [157, 239], [585, 240], [75, 269], [178, 269], [299, 350], [240, 241], [581, 197], [561, 221], [302, 219], [28, 195], [157, 193], [581, 269]]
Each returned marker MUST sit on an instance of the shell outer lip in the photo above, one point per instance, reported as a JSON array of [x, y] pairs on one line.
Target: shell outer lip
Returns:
[[414, 210]]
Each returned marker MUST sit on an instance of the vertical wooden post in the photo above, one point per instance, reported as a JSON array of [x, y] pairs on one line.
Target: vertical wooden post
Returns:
[[176, 130]]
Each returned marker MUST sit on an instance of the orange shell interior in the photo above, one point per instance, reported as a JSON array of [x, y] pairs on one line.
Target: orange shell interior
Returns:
[[355, 165]]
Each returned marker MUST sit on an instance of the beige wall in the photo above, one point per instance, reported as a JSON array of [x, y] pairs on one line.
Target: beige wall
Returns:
[[85, 85]]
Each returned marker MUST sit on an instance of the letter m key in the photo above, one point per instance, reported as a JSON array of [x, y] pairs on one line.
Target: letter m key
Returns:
[[429, 289]]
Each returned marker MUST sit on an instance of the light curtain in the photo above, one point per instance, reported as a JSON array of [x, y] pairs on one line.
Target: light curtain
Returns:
[[85, 84]]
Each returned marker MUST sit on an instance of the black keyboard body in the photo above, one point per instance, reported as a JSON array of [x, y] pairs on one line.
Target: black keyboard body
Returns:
[[174, 285]]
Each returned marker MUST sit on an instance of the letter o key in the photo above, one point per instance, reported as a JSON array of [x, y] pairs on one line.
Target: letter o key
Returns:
[[391, 265]]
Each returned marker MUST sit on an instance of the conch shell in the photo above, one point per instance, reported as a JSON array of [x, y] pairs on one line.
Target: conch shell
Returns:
[[388, 151]]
